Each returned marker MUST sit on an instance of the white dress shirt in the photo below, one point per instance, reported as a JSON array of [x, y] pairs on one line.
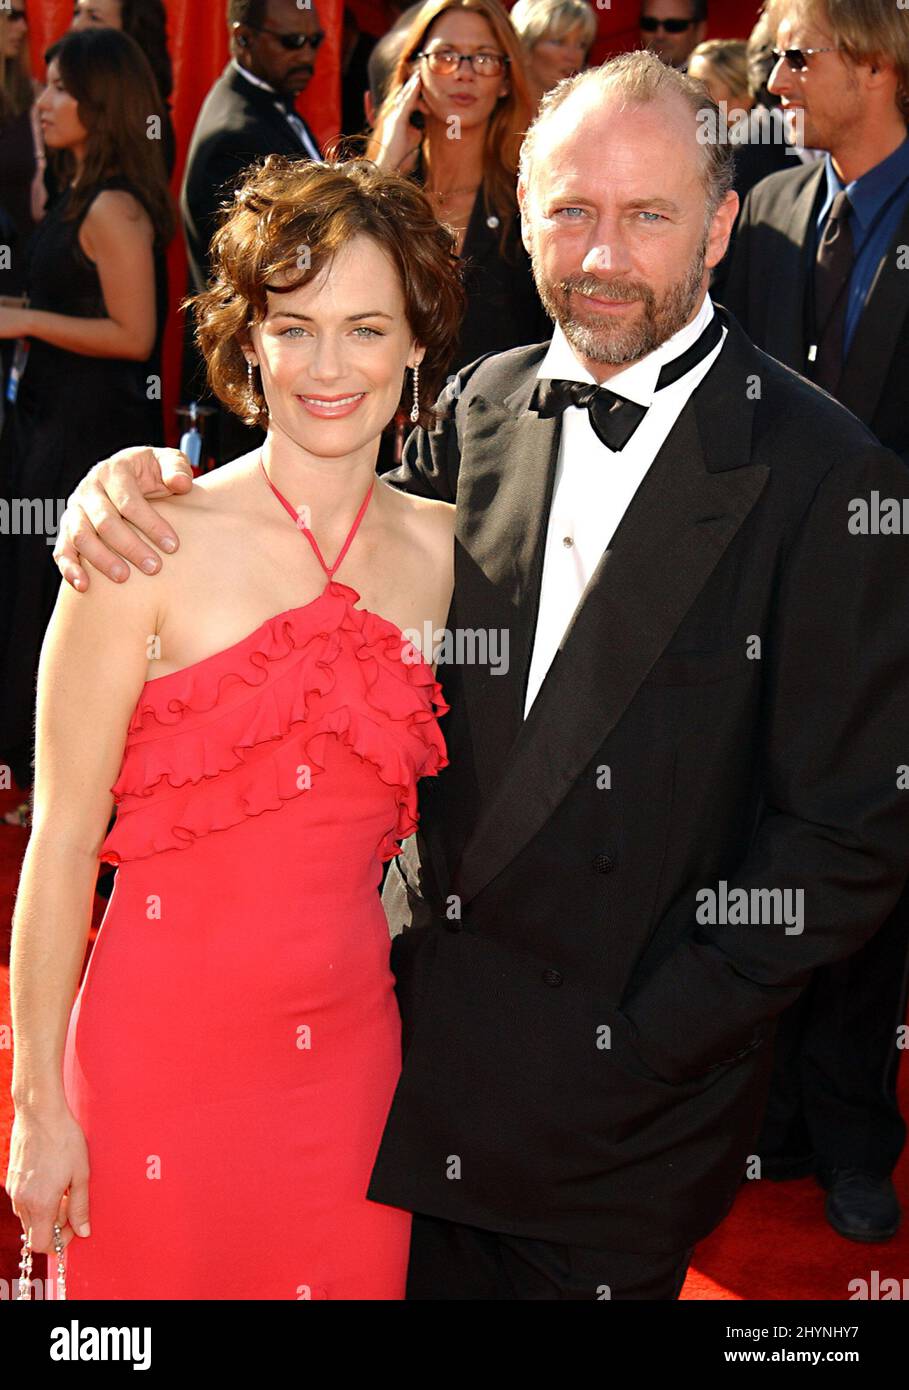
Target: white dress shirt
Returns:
[[595, 484], [296, 123]]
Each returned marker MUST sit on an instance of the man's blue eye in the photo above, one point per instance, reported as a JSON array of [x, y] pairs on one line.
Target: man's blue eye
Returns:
[[570, 209], [646, 212]]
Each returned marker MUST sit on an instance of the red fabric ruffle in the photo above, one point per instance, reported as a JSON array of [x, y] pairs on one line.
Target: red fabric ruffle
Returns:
[[326, 670]]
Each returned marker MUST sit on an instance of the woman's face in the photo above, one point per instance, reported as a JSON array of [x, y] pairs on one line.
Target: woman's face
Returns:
[[333, 353], [463, 94], [59, 114], [552, 59], [97, 14], [13, 30]]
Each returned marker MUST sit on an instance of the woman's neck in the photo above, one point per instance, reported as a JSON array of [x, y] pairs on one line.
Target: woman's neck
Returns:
[[453, 163], [325, 492]]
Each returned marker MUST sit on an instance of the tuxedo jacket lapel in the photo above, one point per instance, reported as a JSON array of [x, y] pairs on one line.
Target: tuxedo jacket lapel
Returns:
[[691, 503], [504, 497], [880, 327]]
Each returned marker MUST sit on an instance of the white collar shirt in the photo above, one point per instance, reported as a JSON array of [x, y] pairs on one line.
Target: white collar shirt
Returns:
[[595, 484]]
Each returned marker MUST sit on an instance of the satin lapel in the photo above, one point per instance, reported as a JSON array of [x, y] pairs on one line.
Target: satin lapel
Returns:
[[679, 523], [504, 495], [882, 322], [786, 335]]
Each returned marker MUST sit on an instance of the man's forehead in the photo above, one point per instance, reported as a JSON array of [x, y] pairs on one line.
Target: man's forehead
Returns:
[[798, 23], [588, 123]]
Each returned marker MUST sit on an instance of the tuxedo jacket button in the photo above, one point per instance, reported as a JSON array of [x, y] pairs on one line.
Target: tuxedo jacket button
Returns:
[[603, 863], [552, 977]]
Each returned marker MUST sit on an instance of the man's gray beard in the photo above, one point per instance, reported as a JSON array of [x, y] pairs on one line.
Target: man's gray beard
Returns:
[[615, 344]]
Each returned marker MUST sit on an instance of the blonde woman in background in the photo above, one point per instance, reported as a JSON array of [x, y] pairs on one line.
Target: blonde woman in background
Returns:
[[557, 36], [722, 66]]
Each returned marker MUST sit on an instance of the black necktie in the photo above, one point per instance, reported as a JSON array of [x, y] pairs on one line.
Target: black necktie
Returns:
[[832, 269], [614, 418]]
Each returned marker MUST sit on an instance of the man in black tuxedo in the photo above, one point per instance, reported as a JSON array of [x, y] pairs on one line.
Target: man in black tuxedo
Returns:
[[820, 279], [679, 702], [248, 114]]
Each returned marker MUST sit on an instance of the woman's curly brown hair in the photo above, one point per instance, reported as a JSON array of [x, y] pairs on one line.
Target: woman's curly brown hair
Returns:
[[287, 219]]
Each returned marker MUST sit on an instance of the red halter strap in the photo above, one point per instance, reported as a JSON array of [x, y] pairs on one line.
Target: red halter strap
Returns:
[[329, 569]]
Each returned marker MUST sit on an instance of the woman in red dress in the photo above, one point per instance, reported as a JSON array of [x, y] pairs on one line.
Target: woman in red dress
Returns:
[[212, 1102]]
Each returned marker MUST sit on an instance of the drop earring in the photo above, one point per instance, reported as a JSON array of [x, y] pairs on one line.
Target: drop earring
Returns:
[[415, 408], [253, 403]]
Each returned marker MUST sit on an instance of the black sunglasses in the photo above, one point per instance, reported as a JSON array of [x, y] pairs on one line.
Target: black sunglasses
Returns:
[[797, 58], [291, 41], [672, 26]]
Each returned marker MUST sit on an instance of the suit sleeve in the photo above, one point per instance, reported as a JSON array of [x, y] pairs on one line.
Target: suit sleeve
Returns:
[[835, 815], [432, 458]]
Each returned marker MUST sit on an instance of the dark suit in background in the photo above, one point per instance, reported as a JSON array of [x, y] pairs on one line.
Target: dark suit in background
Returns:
[[833, 1103], [239, 122], [767, 289], [552, 888]]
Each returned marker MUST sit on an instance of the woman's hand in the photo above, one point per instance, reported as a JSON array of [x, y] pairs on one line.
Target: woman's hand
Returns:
[[47, 1178], [110, 496], [396, 138]]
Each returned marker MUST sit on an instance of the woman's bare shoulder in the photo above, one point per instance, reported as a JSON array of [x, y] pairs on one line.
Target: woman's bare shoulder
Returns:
[[427, 519]]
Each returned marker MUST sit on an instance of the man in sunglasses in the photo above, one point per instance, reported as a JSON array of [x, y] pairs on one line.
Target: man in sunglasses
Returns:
[[249, 113], [672, 29], [817, 280]]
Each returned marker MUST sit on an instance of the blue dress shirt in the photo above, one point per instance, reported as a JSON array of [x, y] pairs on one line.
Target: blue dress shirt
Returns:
[[879, 200]]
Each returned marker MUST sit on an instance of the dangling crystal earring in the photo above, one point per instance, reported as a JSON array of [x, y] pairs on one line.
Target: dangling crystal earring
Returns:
[[251, 385], [415, 408]]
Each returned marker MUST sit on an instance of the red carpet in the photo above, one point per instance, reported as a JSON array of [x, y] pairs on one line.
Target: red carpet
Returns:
[[775, 1243]]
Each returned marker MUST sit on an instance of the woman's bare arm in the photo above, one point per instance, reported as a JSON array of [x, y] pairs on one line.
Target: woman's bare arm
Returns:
[[93, 666], [117, 235]]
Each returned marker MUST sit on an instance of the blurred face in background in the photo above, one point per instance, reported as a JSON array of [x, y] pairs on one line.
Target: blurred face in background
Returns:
[[13, 29], [702, 70], [263, 54], [58, 113], [97, 14], [463, 94], [672, 47], [552, 58]]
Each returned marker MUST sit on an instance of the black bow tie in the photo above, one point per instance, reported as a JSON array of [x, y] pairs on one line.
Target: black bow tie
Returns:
[[614, 418]]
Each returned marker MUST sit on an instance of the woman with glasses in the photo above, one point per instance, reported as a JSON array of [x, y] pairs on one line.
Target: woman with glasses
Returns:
[[453, 119], [557, 36]]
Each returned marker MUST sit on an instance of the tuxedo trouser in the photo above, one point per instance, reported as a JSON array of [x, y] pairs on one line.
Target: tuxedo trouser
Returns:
[[449, 1260], [833, 1093]]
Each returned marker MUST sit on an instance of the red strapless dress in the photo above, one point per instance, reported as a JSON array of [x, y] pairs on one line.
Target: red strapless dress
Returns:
[[233, 1049]]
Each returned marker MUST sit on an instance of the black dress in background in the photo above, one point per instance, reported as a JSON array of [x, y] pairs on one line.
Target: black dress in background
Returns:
[[71, 411], [503, 308]]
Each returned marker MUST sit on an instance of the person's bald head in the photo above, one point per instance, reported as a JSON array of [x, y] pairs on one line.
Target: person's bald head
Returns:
[[624, 186]]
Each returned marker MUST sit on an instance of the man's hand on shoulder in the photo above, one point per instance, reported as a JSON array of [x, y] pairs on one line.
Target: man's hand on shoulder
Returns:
[[108, 519]]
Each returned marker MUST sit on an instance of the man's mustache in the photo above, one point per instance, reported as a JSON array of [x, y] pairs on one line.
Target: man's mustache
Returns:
[[622, 290]]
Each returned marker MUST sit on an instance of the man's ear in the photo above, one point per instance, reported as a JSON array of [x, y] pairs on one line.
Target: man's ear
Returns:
[[523, 205], [721, 229]]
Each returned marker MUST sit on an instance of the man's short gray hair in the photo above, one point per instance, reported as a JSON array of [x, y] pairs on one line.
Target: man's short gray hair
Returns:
[[640, 78]]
